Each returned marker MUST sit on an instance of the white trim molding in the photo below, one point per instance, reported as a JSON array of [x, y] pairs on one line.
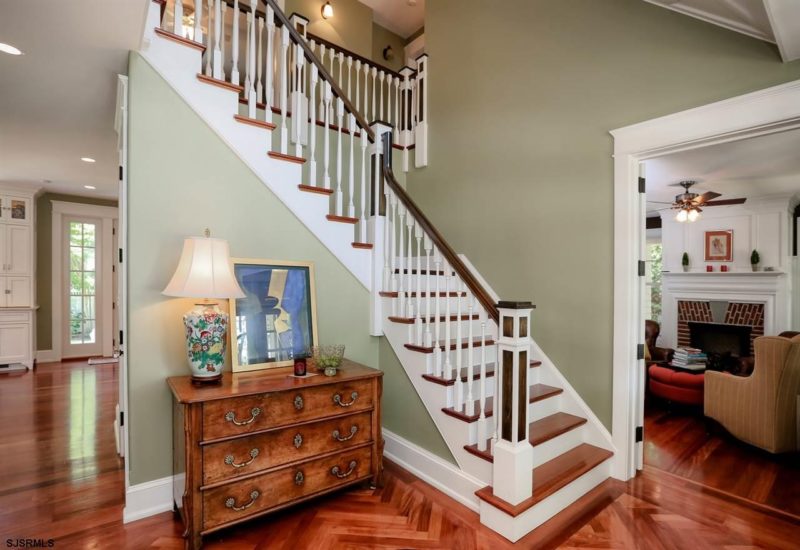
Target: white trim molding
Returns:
[[105, 214], [763, 112], [433, 470], [46, 356], [147, 499]]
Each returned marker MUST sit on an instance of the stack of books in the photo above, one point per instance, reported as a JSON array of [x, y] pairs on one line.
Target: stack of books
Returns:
[[689, 358]]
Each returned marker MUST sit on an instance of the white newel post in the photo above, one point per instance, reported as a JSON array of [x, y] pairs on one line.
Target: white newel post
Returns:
[[513, 453], [178, 23], [376, 225], [406, 109], [421, 130]]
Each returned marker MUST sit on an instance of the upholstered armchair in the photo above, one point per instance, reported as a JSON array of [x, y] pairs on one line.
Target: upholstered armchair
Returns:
[[657, 355], [760, 409]]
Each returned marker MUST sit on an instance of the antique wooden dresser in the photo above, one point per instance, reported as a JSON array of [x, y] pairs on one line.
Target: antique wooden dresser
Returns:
[[262, 441]]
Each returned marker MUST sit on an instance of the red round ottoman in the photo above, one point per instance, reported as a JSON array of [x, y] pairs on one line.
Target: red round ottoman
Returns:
[[676, 386]]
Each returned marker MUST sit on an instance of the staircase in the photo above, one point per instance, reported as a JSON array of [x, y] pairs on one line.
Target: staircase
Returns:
[[519, 432]]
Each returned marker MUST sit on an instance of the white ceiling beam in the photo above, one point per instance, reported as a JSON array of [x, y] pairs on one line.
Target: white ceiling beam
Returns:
[[784, 17]]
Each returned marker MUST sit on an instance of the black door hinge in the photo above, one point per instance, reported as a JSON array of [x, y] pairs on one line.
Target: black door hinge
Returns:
[[120, 173], [121, 338], [641, 185], [639, 434], [120, 255], [642, 267], [121, 418], [640, 351]]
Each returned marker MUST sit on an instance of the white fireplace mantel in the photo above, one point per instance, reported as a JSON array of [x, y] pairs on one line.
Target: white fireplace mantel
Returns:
[[770, 288]]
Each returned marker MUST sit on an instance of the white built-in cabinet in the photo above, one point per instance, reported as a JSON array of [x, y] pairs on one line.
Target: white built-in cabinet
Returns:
[[17, 275]]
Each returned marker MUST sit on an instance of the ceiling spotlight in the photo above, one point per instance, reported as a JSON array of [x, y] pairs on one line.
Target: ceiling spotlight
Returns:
[[88, 159], [9, 49], [327, 10], [90, 187]]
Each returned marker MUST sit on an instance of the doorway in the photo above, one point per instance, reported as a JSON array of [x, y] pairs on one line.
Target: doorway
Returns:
[[83, 329]]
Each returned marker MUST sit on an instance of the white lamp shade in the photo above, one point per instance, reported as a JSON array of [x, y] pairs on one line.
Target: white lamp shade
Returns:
[[204, 271]]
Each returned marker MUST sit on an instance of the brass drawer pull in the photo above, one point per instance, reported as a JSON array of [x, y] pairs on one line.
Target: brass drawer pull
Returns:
[[338, 473], [230, 502], [337, 398], [229, 459], [298, 402], [299, 478], [338, 437], [230, 416], [298, 440]]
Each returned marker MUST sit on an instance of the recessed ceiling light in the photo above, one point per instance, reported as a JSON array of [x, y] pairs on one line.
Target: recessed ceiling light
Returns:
[[9, 49], [87, 159], [90, 187]]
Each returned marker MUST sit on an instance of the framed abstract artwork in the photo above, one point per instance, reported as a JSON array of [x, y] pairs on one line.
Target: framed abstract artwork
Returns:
[[276, 321], [719, 246]]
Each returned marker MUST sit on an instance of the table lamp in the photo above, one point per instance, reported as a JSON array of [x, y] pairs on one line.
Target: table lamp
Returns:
[[205, 271]]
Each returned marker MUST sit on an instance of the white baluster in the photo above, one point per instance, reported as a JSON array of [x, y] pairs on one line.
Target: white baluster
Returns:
[[248, 40], [428, 339], [400, 289], [250, 89], [470, 399], [339, 116], [269, 69], [358, 94], [391, 224], [448, 366], [259, 62], [198, 16], [322, 95], [362, 225], [349, 87], [388, 197], [234, 43], [351, 191], [482, 435], [374, 74], [409, 275], [178, 23], [397, 110], [284, 88], [326, 108], [312, 128], [389, 101], [437, 355], [210, 50], [459, 386], [332, 56], [299, 96], [381, 78], [418, 321], [221, 35], [340, 58], [366, 97]]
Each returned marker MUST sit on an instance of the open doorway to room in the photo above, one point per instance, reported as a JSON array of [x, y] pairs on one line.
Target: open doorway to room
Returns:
[[721, 379]]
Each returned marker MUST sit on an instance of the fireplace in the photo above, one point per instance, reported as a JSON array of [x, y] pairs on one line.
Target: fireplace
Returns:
[[720, 338]]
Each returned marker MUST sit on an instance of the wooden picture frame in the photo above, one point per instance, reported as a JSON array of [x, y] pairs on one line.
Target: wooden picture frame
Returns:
[[280, 308], [719, 246]]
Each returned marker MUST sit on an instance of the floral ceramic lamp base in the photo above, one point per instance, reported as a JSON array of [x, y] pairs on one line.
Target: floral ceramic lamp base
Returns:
[[206, 340]]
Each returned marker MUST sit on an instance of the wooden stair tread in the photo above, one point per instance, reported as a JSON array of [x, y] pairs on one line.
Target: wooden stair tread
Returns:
[[540, 432], [538, 392], [180, 39], [476, 374], [464, 344], [254, 122], [423, 294], [432, 319], [551, 476], [341, 219], [288, 158], [317, 190], [220, 83], [365, 246]]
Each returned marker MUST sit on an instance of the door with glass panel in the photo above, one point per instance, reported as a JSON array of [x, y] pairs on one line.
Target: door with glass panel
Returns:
[[83, 327]]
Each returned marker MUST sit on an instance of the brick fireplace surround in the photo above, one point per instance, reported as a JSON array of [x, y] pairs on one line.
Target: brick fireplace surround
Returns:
[[737, 313]]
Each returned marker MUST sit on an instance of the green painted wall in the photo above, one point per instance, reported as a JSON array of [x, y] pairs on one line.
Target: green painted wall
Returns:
[[44, 264], [520, 177], [183, 178], [350, 26]]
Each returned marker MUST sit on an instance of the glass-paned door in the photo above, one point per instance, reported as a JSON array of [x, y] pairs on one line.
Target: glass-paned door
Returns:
[[82, 286]]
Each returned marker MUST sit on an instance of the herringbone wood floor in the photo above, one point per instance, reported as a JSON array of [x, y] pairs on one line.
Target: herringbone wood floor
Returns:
[[68, 489]]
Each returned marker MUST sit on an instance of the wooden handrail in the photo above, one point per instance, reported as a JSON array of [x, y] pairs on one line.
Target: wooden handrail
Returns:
[[444, 247], [355, 56], [323, 72]]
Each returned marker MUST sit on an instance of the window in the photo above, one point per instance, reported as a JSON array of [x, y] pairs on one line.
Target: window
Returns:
[[654, 280], [82, 283]]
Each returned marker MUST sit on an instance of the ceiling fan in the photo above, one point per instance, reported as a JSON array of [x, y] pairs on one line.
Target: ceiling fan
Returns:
[[689, 204]]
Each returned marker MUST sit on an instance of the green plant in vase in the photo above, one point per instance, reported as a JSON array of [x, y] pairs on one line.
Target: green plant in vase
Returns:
[[685, 261], [328, 358], [755, 259]]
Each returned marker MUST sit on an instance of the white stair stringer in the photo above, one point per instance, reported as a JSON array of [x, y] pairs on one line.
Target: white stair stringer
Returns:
[[179, 66]]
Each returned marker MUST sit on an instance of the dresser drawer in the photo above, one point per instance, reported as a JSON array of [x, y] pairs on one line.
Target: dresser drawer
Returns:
[[244, 498], [248, 454], [230, 417]]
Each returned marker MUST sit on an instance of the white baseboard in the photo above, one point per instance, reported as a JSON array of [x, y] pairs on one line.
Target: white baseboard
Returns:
[[439, 473], [147, 499], [47, 356]]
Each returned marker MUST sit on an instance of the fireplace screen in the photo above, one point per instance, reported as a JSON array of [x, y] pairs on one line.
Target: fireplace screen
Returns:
[[720, 338]]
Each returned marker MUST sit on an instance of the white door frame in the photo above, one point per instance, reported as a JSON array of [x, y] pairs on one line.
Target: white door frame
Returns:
[[105, 215], [767, 111]]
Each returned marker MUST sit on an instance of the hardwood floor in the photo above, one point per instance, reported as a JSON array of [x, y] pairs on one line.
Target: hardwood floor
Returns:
[[677, 442], [60, 478]]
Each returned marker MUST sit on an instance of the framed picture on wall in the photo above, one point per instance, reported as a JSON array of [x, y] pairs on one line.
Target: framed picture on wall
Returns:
[[719, 246], [276, 321]]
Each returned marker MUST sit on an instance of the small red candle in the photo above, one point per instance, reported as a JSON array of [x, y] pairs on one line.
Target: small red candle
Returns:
[[300, 366], [723, 268], [709, 268]]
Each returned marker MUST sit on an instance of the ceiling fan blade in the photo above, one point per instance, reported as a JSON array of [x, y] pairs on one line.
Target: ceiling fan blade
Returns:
[[659, 202], [705, 197], [725, 202]]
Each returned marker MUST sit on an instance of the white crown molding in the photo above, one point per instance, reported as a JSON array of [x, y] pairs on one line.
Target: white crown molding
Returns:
[[81, 209]]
